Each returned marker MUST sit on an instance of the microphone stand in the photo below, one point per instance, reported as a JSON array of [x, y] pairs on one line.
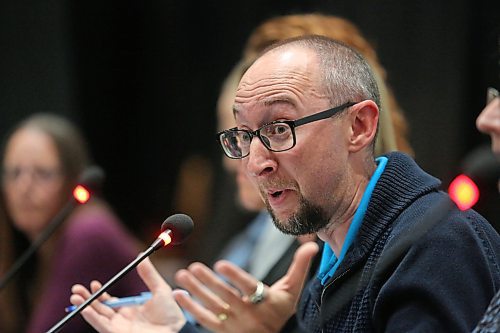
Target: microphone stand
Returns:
[[158, 243]]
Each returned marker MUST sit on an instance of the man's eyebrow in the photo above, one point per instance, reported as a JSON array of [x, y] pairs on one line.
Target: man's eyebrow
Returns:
[[280, 99], [277, 100]]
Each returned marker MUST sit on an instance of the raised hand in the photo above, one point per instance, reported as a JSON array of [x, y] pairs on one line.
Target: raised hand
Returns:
[[159, 314], [221, 307]]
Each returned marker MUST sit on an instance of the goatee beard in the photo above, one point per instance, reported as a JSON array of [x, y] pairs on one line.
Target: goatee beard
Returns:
[[308, 219]]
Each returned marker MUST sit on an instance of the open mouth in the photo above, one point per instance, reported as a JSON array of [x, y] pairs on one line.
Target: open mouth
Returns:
[[276, 194]]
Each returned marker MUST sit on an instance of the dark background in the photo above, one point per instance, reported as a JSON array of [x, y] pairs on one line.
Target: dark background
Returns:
[[141, 78]]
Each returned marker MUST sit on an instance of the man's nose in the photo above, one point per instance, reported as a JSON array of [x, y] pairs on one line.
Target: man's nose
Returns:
[[260, 160]]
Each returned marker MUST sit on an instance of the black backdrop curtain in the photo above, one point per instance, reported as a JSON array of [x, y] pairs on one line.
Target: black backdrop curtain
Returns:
[[141, 78]]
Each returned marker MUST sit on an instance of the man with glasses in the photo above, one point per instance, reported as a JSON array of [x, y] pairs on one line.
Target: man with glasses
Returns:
[[277, 136], [397, 256]]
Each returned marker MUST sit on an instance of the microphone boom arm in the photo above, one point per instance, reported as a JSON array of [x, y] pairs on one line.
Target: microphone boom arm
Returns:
[[158, 243]]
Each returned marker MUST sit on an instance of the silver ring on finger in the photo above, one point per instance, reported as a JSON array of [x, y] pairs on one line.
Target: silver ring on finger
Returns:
[[258, 294]]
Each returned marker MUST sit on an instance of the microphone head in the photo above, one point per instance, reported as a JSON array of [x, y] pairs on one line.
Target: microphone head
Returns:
[[91, 178], [482, 165], [181, 226]]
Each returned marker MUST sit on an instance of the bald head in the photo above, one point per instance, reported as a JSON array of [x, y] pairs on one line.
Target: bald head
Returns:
[[286, 70], [342, 73]]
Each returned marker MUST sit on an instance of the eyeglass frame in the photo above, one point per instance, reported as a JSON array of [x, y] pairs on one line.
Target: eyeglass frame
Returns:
[[291, 123]]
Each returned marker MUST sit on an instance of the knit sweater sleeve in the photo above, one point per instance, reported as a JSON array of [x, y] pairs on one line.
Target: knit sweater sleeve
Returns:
[[451, 270]]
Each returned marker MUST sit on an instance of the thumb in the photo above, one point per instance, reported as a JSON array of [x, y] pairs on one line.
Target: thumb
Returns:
[[298, 271], [151, 277]]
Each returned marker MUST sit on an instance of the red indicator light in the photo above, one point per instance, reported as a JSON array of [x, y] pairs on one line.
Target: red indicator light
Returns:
[[464, 192], [81, 194]]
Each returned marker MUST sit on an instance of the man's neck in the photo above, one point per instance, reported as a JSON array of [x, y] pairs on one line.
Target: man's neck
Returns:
[[335, 232]]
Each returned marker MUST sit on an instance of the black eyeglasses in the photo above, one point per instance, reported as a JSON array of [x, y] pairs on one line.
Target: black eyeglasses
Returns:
[[276, 136]]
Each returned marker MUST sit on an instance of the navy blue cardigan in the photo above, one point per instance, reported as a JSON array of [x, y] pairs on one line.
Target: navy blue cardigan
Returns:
[[442, 283]]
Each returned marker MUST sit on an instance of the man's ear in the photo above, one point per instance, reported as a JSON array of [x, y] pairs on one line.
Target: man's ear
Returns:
[[364, 123]]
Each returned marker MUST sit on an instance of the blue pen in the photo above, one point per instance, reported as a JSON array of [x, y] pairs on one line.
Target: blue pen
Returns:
[[125, 301]]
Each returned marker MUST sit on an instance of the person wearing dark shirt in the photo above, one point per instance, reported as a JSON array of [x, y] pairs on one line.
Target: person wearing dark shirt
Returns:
[[307, 115]]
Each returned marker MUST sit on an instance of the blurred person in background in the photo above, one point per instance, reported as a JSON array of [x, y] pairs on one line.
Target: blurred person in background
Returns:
[[41, 160], [488, 122]]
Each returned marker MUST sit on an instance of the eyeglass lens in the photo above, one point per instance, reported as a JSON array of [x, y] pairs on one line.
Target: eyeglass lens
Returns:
[[277, 136]]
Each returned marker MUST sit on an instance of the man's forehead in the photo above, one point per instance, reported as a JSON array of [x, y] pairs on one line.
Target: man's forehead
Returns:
[[281, 60], [269, 79]]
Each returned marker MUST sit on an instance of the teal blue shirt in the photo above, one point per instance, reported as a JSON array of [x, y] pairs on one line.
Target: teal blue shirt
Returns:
[[329, 262]]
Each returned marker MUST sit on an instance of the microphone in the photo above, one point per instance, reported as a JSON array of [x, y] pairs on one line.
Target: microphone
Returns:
[[89, 182], [482, 165], [174, 230], [180, 226]]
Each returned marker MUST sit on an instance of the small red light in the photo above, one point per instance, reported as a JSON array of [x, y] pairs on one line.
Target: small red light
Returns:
[[81, 194], [464, 192]]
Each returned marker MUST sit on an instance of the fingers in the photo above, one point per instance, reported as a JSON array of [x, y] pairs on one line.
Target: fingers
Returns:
[[217, 306], [201, 314], [199, 277], [222, 306], [79, 290], [207, 287], [97, 314], [95, 286], [151, 277], [298, 271], [237, 276], [292, 282], [77, 297], [160, 310]]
